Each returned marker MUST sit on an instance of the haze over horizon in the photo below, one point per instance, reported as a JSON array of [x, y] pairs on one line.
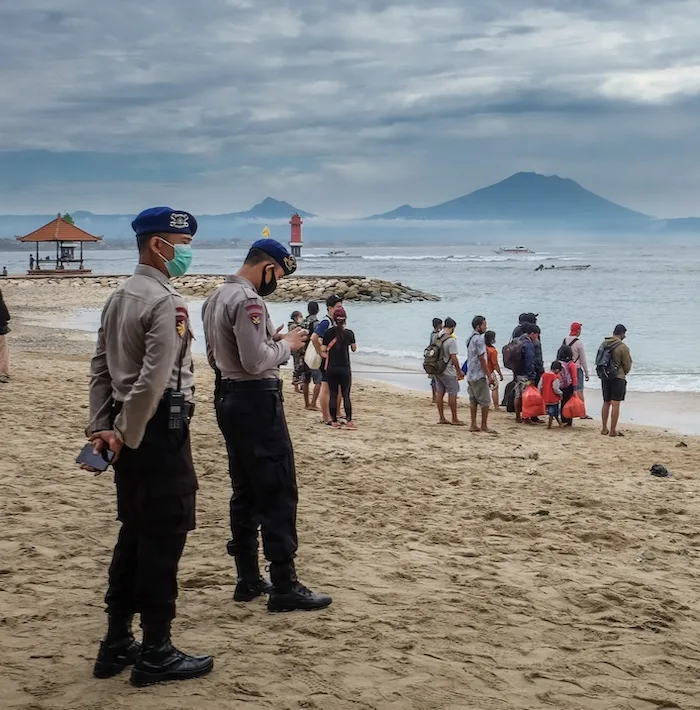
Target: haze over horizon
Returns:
[[344, 108]]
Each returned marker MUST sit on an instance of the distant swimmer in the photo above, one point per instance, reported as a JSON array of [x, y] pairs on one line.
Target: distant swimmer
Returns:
[[141, 403], [246, 352]]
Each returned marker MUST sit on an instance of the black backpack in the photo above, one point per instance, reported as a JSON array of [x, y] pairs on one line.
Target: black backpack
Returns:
[[434, 356], [565, 344], [604, 363], [513, 355]]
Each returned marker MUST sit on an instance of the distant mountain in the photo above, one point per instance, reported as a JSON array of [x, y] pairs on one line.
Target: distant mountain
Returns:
[[686, 225], [528, 197], [213, 227], [269, 208]]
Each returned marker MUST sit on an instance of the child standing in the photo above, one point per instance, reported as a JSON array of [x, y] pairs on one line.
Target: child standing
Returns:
[[551, 390], [493, 366], [569, 378], [295, 321]]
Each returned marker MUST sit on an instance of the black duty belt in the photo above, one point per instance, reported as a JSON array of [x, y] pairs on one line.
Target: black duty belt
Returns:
[[187, 408], [269, 385]]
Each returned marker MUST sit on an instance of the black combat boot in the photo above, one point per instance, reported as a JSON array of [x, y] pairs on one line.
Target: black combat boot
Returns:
[[289, 594], [161, 661], [118, 650], [251, 584]]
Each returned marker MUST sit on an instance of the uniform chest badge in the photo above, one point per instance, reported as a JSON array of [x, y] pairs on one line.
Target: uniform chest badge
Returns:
[[181, 320]]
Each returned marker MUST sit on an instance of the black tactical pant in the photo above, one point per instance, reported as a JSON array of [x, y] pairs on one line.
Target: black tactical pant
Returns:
[[261, 466], [156, 486]]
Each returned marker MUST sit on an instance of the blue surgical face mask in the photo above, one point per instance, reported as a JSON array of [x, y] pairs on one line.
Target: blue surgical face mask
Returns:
[[181, 261]]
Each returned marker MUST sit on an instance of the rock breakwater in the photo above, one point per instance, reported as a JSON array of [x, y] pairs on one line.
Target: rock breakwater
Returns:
[[294, 288]]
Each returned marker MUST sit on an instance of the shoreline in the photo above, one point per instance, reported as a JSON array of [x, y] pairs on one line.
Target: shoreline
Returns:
[[677, 412], [674, 412]]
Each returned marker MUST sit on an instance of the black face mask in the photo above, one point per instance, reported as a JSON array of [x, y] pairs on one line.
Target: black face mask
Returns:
[[267, 287]]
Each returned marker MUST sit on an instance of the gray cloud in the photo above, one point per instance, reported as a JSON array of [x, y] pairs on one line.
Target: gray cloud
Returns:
[[347, 106]]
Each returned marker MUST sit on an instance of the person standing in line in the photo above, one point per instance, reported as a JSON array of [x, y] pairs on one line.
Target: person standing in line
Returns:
[[573, 340], [525, 372], [478, 375], [434, 335], [309, 375], [494, 367], [243, 346], [615, 387], [448, 380], [550, 389], [295, 321], [141, 403], [4, 347], [569, 379], [337, 343], [332, 302]]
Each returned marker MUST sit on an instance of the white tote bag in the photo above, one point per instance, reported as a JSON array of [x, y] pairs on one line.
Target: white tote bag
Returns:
[[311, 358]]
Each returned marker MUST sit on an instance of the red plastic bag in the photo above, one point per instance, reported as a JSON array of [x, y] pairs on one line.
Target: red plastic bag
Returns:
[[533, 404], [575, 408]]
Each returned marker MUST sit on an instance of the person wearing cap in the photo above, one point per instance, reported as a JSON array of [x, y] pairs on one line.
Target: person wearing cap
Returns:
[[338, 341], [141, 402], [332, 303], [573, 340], [246, 352]]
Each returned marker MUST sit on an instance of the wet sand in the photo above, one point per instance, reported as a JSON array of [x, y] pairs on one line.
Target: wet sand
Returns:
[[525, 569]]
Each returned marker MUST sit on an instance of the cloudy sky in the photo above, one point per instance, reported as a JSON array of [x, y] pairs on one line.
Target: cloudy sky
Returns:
[[344, 107]]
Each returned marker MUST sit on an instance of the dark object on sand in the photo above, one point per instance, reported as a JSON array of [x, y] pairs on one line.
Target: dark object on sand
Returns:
[[681, 445], [509, 397], [659, 471]]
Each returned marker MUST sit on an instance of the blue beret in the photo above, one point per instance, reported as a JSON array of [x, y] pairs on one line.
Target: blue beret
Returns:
[[279, 253], [164, 220]]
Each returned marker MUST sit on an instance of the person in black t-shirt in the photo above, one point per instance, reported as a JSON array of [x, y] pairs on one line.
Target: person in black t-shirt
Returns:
[[337, 343]]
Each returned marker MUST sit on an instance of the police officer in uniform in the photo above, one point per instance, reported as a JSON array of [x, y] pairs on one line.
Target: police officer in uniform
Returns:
[[245, 351], [141, 390]]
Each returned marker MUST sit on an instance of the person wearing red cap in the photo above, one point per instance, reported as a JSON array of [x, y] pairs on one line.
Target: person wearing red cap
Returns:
[[573, 340], [336, 345]]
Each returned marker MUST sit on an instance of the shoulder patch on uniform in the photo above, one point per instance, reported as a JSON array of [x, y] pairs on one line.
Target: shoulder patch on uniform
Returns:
[[181, 320]]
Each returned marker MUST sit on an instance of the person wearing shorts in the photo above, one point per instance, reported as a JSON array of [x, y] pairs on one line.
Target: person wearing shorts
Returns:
[[477, 378], [615, 389], [447, 382]]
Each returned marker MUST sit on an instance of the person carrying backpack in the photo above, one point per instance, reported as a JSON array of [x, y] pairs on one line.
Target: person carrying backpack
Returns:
[[440, 360], [569, 379], [613, 363], [519, 356], [573, 340]]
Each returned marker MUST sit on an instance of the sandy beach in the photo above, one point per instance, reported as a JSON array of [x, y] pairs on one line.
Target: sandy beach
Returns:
[[524, 569]]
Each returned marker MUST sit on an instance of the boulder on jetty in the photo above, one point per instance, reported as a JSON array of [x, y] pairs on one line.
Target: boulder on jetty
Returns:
[[290, 289]]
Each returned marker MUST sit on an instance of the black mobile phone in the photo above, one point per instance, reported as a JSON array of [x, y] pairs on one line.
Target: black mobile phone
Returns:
[[99, 462]]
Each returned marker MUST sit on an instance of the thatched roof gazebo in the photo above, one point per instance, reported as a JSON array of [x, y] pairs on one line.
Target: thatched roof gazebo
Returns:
[[66, 236]]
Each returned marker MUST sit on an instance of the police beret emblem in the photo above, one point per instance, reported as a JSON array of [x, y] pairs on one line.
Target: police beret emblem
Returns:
[[179, 220], [290, 263]]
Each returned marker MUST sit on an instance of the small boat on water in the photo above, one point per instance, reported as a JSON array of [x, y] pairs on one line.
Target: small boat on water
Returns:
[[514, 250], [567, 267], [338, 253]]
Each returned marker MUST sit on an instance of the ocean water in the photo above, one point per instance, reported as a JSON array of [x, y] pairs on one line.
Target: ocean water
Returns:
[[653, 289]]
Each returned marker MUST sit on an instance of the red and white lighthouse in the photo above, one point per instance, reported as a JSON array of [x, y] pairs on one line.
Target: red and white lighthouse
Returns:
[[296, 241]]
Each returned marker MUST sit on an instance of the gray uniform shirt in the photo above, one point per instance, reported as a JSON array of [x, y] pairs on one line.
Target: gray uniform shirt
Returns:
[[145, 331], [239, 333]]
